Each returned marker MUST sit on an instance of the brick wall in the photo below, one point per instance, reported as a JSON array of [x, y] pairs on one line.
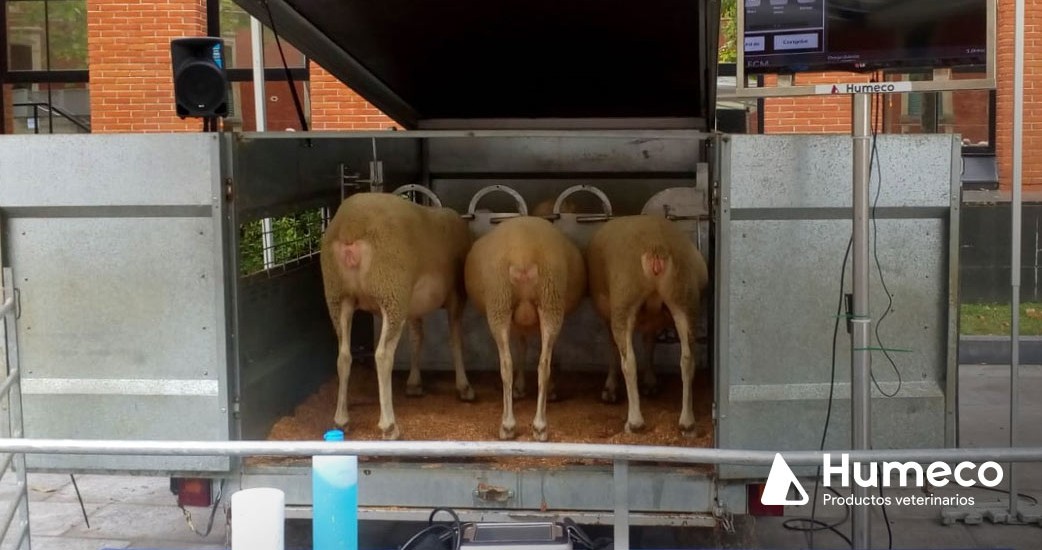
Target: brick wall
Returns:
[[128, 48], [810, 115], [8, 109], [1032, 160], [334, 106]]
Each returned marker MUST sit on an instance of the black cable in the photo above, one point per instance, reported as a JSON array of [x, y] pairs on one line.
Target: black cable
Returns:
[[457, 527], [814, 525], [79, 498], [886, 517], [817, 525], [285, 67], [874, 159]]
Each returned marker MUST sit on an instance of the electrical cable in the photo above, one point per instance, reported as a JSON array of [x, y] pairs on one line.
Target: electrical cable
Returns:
[[816, 525], [285, 67], [874, 159]]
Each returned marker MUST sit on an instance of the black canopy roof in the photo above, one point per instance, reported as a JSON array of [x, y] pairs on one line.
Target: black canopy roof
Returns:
[[436, 63]]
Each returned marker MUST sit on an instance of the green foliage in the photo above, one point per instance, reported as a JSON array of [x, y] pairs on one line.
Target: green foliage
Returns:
[[67, 31], [994, 319], [296, 236], [728, 31]]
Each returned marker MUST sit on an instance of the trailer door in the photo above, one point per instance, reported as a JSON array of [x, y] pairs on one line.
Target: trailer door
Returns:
[[116, 251]]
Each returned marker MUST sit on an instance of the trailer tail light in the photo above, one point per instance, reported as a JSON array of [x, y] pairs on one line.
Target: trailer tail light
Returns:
[[756, 508], [191, 491]]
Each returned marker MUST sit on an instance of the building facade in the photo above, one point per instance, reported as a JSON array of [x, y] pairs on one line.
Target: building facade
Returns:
[[103, 66]]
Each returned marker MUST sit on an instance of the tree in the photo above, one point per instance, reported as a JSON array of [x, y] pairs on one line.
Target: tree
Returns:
[[728, 31]]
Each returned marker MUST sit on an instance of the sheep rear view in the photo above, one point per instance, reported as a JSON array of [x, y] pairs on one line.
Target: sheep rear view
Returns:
[[525, 276], [398, 260], [645, 275]]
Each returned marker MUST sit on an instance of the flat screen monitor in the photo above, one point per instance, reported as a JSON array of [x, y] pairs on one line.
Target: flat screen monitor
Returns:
[[793, 36]]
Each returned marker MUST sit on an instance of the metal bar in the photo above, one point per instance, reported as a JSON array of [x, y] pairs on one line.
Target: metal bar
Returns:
[[10, 379], [860, 356], [11, 510], [1018, 173], [15, 402], [465, 449], [915, 86], [260, 120], [656, 519], [6, 463], [951, 392], [621, 479]]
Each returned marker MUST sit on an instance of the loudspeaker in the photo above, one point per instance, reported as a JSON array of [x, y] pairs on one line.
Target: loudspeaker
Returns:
[[200, 81]]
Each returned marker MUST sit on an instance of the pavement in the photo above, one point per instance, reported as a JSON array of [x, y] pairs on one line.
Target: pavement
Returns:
[[140, 512]]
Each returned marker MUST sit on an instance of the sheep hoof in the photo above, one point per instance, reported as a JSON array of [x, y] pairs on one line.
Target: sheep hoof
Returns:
[[414, 390], [634, 428], [391, 433], [688, 431], [519, 393], [506, 432], [466, 394], [540, 434], [341, 422], [609, 396]]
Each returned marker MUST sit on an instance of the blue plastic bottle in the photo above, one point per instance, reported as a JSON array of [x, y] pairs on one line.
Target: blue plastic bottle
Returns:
[[334, 497]]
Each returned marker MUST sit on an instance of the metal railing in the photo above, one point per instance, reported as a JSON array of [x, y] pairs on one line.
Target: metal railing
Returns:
[[51, 110], [620, 455], [10, 390]]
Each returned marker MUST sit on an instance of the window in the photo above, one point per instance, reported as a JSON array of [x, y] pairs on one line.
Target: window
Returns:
[[969, 113], [281, 112], [44, 67]]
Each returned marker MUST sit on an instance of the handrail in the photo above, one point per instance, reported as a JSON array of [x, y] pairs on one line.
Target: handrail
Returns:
[[470, 449], [51, 107]]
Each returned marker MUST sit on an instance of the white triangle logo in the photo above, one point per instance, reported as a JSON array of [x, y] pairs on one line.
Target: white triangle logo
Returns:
[[776, 492]]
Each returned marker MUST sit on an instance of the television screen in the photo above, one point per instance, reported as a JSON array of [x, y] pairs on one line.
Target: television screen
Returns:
[[791, 36]]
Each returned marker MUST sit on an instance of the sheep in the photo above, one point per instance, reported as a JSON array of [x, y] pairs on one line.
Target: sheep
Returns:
[[637, 266], [391, 257], [525, 275]]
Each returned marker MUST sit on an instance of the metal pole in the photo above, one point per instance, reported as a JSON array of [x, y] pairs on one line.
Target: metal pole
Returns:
[[260, 117], [860, 357], [1018, 153], [621, 477]]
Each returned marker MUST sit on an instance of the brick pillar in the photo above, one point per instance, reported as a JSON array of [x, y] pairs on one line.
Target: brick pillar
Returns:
[[334, 106], [1032, 95], [128, 47]]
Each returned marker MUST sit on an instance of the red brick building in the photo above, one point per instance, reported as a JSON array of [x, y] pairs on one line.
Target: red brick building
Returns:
[[104, 66]]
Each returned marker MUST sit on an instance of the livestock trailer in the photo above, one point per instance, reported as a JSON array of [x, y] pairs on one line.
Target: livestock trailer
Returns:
[[154, 304]]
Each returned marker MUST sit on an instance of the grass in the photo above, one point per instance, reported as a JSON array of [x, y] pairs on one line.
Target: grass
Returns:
[[994, 319]]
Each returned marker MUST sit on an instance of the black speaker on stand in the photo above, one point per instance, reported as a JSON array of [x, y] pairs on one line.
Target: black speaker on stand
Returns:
[[200, 80]]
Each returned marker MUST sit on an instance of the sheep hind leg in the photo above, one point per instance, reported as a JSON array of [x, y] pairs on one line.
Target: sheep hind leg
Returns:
[[390, 333], [622, 323], [343, 317], [463, 387], [414, 385], [685, 332], [500, 329], [610, 393], [550, 327]]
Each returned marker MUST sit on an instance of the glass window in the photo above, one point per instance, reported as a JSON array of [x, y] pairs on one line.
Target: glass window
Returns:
[[46, 35], [235, 30], [964, 112], [281, 113], [41, 108]]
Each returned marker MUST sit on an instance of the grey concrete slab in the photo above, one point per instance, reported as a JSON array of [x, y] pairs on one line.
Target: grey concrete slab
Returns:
[[52, 519], [70, 543], [172, 545], [1017, 537], [125, 489], [43, 485], [146, 522]]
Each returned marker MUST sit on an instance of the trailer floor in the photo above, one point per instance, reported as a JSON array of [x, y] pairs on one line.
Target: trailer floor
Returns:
[[578, 416]]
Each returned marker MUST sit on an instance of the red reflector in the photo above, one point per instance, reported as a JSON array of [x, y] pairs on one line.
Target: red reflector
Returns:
[[754, 492], [191, 491]]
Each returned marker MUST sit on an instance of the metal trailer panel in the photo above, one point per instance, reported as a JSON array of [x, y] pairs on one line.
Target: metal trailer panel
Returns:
[[653, 490], [117, 256], [788, 198]]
